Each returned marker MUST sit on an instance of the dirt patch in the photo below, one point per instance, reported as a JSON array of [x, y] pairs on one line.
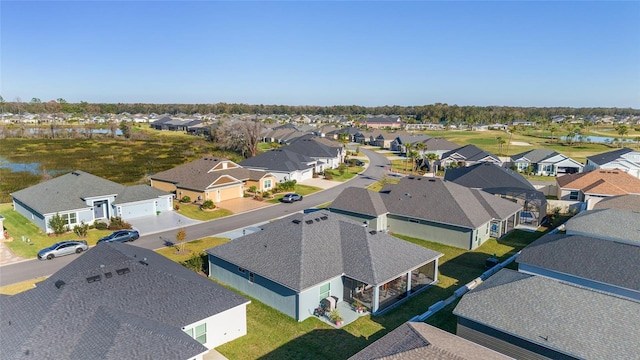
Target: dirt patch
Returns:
[[520, 143]]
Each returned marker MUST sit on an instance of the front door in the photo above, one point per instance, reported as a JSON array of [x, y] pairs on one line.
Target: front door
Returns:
[[100, 209]]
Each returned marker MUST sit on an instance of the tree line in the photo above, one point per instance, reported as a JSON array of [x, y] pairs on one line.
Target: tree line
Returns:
[[437, 112]]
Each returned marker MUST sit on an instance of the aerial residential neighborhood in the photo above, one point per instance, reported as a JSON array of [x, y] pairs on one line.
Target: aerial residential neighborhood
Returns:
[[339, 180]]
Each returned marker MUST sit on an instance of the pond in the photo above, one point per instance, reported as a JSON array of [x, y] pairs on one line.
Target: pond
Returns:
[[33, 168], [598, 139]]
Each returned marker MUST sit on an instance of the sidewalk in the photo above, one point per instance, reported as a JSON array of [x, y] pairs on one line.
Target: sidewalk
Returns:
[[7, 256]]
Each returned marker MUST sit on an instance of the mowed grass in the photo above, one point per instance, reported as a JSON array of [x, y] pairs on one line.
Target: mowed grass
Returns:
[[300, 189], [191, 248], [19, 287], [18, 226], [193, 211], [273, 335]]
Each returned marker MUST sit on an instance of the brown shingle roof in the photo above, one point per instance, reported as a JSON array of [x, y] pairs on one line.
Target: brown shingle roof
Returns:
[[605, 182]]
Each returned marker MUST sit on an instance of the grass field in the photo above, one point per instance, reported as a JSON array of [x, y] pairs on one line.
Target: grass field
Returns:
[[300, 189], [193, 211]]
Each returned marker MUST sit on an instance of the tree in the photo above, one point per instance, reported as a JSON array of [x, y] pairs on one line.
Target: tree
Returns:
[[408, 147], [432, 157], [553, 129], [125, 127], [58, 224], [181, 237], [622, 131], [501, 141]]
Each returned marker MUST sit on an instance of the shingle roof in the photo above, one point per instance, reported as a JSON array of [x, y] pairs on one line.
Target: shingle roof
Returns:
[[445, 202], [470, 153], [590, 258], [313, 148], [412, 138], [138, 193], [535, 156], [280, 159], [156, 296], [487, 175], [622, 202], [419, 341], [360, 201], [602, 182], [199, 174], [609, 224], [436, 144], [66, 192], [301, 251], [604, 158], [553, 314]]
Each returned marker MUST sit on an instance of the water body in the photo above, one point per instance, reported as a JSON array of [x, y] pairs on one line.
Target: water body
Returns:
[[33, 168], [57, 131], [598, 139]]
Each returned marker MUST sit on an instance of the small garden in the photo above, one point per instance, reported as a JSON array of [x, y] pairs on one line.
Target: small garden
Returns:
[[204, 212]]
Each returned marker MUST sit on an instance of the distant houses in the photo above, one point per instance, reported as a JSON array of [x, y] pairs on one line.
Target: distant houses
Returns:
[[625, 159]]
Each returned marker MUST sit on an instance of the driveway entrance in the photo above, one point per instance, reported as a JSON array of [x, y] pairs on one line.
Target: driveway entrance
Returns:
[[166, 220]]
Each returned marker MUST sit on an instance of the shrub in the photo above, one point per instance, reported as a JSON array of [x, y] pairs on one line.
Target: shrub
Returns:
[[196, 262], [58, 224], [81, 230], [176, 207], [328, 175], [287, 185], [266, 194], [208, 205], [185, 199], [116, 223], [253, 189], [99, 225]]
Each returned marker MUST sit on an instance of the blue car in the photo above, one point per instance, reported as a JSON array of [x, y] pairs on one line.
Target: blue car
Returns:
[[121, 236]]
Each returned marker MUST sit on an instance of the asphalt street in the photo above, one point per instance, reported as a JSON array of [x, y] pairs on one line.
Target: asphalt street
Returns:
[[30, 269]]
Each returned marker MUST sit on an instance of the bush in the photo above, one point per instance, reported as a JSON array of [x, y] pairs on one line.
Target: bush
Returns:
[[208, 205], [287, 185], [266, 194], [253, 189], [196, 262], [99, 225], [116, 223], [176, 207], [185, 199], [81, 230], [58, 224], [328, 175]]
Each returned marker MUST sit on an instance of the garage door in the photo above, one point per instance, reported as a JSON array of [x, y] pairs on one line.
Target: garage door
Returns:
[[129, 211]]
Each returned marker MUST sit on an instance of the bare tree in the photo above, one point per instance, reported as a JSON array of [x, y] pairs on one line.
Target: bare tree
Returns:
[[241, 136]]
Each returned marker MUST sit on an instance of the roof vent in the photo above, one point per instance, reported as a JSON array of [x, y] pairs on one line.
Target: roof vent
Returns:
[[108, 275], [143, 262], [94, 278], [411, 178], [317, 219], [309, 221], [296, 221], [373, 232], [75, 173], [432, 180], [123, 271], [60, 284], [324, 218]]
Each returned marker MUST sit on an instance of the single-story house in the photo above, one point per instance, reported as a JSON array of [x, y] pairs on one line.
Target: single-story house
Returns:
[[431, 209], [466, 156], [296, 262], [379, 122], [82, 197], [545, 162], [119, 301], [349, 132], [599, 264], [212, 179], [399, 144], [625, 159], [599, 183], [505, 183], [608, 224], [535, 317], [284, 164], [384, 139], [328, 154], [417, 340], [629, 202]]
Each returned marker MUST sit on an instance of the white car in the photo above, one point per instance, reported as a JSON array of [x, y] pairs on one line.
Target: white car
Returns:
[[63, 248]]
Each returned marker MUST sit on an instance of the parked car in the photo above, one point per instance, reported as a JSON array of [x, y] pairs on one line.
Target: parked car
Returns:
[[63, 248], [121, 236], [356, 162], [289, 198]]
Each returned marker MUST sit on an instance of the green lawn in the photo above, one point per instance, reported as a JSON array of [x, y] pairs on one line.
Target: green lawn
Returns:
[[194, 212], [191, 248], [300, 189], [18, 226], [349, 173]]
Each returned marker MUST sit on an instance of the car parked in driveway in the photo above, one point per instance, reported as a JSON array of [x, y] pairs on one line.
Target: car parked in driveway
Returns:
[[121, 236], [63, 248], [291, 197]]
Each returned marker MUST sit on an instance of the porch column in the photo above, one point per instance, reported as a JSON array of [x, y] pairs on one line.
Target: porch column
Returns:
[[375, 301], [435, 270], [409, 283]]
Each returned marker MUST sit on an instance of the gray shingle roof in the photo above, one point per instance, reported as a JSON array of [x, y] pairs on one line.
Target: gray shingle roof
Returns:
[[535, 156], [445, 202], [572, 319], [609, 224], [279, 160], [301, 251], [623, 202], [590, 258], [487, 175], [138, 193], [158, 298], [359, 201], [439, 144], [66, 192], [312, 148], [419, 341], [470, 153], [412, 139], [607, 157]]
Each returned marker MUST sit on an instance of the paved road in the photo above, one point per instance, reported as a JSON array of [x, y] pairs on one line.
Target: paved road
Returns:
[[30, 269]]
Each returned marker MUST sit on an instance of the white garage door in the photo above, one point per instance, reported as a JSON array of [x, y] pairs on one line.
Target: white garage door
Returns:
[[129, 211]]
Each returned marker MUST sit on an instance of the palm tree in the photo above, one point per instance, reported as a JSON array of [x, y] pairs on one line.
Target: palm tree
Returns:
[[622, 131], [432, 157], [421, 147], [408, 147], [501, 142], [553, 129]]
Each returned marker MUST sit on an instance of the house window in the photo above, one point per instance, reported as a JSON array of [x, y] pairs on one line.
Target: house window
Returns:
[[250, 277], [573, 195], [199, 333], [70, 218], [267, 184], [325, 290]]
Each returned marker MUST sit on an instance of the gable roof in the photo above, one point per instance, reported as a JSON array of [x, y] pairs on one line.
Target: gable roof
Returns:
[[66, 192], [602, 182], [138, 193], [601, 159], [590, 258], [445, 202], [134, 289], [411, 139], [303, 250], [557, 315], [609, 224], [312, 148], [281, 159], [623, 202], [203, 173], [417, 340], [470, 153], [439, 144], [360, 201], [487, 175], [535, 156]]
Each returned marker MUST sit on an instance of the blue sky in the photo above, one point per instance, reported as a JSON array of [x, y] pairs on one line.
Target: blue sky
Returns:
[[577, 54]]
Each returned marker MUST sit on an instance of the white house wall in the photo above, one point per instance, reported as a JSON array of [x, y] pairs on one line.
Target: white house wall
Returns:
[[225, 326]]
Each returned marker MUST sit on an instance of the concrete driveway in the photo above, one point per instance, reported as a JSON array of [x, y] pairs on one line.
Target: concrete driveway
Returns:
[[167, 220]]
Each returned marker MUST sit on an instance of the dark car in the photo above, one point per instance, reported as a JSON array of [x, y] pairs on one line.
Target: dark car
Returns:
[[62, 248], [289, 198], [121, 236]]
